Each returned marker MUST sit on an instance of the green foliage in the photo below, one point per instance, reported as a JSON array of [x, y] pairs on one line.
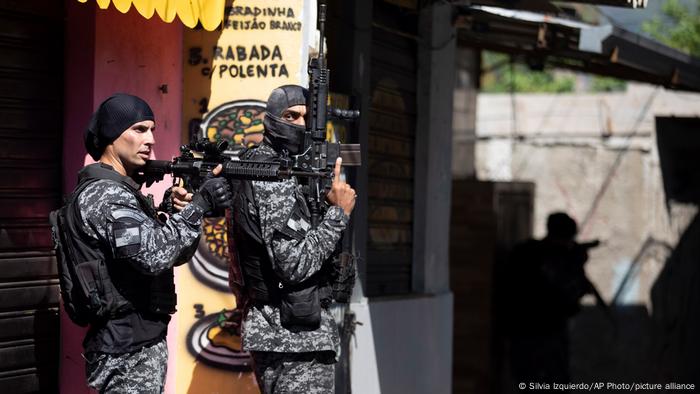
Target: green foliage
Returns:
[[501, 77], [680, 28], [607, 84]]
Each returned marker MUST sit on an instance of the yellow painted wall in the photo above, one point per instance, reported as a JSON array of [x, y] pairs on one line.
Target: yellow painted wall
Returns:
[[228, 74]]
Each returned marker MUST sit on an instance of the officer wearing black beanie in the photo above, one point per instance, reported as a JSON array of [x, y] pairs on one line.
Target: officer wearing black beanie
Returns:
[[110, 233], [110, 120]]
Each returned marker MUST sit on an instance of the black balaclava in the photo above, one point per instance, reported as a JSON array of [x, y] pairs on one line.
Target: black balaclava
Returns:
[[279, 133], [111, 118]]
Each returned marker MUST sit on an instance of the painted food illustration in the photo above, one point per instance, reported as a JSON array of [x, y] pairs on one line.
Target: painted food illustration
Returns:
[[210, 262], [237, 122], [215, 340]]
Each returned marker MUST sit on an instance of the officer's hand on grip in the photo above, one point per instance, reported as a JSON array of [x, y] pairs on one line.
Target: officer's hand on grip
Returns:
[[341, 194], [180, 197], [214, 194]]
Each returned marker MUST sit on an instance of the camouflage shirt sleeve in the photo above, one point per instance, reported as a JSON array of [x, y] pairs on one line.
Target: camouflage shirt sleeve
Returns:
[[112, 215], [297, 250]]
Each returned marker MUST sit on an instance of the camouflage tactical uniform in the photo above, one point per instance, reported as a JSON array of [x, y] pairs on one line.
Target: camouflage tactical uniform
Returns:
[[311, 373], [297, 252], [138, 372], [116, 360]]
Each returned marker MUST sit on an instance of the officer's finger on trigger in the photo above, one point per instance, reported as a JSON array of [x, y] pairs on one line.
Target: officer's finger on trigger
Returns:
[[217, 170], [336, 170]]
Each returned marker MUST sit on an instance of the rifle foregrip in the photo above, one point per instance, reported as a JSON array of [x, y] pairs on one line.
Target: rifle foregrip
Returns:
[[252, 170]]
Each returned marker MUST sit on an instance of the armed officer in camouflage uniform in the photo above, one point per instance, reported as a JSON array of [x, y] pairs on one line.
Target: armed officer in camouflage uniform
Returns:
[[287, 327], [114, 225]]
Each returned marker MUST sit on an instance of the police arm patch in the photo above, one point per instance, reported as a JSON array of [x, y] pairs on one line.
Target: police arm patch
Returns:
[[127, 238], [296, 225]]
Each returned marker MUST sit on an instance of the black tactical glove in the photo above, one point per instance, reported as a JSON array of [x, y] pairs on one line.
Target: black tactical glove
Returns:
[[166, 204], [213, 196]]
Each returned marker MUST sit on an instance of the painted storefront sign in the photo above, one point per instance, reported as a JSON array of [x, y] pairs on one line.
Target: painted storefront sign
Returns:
[[228, 74]]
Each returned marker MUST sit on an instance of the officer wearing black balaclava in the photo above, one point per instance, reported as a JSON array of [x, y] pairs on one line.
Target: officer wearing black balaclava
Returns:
[[116, 257], [287, 327], [284, 118]]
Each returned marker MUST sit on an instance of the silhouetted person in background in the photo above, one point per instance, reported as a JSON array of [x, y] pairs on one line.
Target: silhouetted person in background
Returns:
[[543, 283]]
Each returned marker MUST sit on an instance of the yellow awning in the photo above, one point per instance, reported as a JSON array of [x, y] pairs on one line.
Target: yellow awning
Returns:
[[209, 12]]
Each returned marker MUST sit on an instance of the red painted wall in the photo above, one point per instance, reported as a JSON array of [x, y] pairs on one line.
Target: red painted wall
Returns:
[[109, 52], [134, 55], [79, 78]]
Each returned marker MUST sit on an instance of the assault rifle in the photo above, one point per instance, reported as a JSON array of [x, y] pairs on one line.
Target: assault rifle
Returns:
[[316, 153], [314, 165], [600, 302], [199, 158]]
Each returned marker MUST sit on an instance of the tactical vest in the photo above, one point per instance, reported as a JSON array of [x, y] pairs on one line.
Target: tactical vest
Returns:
[[94, 287], [259, 283], [300, 304]]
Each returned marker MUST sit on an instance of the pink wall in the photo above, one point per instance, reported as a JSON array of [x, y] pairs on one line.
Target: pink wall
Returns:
[[109, 52], [135, 55]]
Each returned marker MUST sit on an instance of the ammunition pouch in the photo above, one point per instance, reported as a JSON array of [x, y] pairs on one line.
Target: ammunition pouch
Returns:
[[300, 307], [102, 298], [343, 275]]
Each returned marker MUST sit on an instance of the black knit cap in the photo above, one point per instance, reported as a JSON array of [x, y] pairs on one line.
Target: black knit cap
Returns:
[[111, 118]]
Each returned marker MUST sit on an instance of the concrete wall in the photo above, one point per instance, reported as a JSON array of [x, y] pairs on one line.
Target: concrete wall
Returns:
[[109, 52], [595, 157], [403, 346], [433, 159], [464, 113]]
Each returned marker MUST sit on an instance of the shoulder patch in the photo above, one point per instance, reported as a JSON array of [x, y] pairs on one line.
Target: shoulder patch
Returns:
[[127, 238], [297, 223]]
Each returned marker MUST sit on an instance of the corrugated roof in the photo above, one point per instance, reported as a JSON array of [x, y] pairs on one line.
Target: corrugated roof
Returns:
[[601, 49]]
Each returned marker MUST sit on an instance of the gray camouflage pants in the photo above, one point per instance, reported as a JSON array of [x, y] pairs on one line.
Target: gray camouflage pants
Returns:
[[278, 373], [130, 373]]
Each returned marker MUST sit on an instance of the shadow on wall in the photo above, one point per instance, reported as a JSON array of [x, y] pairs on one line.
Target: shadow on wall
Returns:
[[628, 343], [676, 301], [663, 347], [676, 292], [616, 348]]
